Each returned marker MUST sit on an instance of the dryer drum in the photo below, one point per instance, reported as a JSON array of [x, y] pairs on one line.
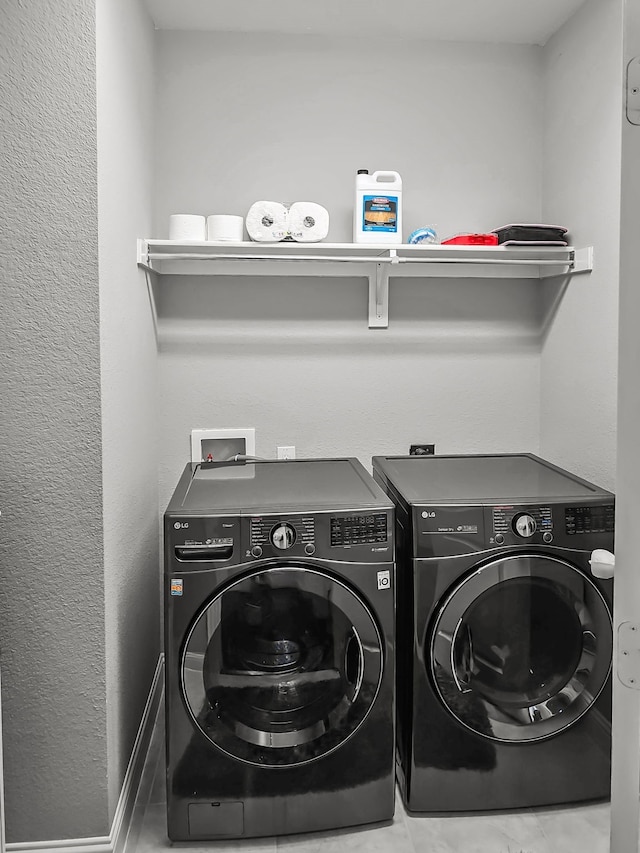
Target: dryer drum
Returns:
[[521, 648]]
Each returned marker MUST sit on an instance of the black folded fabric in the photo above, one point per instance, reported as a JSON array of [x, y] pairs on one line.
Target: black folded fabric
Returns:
[[523, 233]]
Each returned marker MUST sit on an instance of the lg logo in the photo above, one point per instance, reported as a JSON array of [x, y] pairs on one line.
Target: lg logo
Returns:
[[426, 514], [181, 524]]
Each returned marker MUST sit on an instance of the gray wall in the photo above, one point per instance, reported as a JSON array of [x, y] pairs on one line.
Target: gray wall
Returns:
[[244, 117], [51, 538], [79, 533], [581, 189], [125, 82]]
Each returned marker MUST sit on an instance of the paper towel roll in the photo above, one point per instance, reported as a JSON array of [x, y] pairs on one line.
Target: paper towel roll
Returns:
[[266, 222], [221, 226], [187, 226], [308, 222]]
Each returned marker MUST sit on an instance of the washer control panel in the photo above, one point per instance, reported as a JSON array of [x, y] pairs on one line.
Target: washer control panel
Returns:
[[340, 536], [269, 536], [358, 529]]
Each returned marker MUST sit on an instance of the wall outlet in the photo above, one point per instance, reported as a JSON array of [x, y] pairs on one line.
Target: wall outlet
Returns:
[[422, 450], [218, 445], [286, 451]]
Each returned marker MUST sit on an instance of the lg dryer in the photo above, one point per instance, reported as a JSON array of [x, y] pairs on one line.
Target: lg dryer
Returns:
[[279, 643], [504, 636]]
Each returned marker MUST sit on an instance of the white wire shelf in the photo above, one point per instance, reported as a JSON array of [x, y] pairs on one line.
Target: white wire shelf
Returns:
[[377, 263]]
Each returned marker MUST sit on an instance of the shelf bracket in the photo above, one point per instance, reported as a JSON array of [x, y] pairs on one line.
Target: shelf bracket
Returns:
[[143, 255], [379, 297], [582, 260]]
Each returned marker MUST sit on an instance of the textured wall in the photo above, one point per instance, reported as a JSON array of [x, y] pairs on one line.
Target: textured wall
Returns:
[[581, 183], [246, 117], [128, 360], [51, 556]]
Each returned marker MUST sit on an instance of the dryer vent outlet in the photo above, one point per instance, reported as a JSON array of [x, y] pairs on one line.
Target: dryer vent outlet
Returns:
[[422, 450]]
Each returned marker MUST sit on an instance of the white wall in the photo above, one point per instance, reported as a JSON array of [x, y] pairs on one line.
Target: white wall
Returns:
[[51, 557], [286, 118], [581, 190], [125, 69]]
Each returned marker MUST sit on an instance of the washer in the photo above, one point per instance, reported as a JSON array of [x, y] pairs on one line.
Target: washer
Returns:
[[279, 632], [504, 636]]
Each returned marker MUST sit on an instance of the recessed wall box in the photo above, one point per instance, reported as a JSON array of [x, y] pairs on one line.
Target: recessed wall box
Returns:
[[218, 445]]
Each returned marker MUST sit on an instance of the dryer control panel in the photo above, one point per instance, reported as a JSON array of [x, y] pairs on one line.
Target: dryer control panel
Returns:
[[581, 527], [450, 530], [529, 523]]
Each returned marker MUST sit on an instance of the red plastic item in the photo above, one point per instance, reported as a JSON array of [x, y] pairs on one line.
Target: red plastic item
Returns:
[[472, 240]]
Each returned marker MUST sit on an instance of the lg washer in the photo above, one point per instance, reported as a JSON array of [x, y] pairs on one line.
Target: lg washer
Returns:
[[504, 636], [279, 645]]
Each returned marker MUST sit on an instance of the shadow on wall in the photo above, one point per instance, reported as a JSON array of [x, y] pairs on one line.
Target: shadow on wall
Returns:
[[443, 315]]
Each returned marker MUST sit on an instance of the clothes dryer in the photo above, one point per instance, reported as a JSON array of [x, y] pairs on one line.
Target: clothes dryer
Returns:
[[279, 649], [504, 644]]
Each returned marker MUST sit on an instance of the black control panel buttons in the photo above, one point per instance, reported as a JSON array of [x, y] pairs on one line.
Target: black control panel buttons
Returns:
[[581, 520], [358, 529]]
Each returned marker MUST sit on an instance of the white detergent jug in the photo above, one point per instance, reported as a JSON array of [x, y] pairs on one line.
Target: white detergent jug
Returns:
[[377, 214]]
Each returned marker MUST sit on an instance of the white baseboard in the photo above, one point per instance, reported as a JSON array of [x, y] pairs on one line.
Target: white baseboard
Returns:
[[115, 841]]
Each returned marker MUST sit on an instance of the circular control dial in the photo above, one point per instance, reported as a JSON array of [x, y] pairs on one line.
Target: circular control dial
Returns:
[[524, 525], [283, 536]]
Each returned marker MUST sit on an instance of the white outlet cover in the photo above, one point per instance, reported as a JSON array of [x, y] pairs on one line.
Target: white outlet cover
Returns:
[[200, 435]]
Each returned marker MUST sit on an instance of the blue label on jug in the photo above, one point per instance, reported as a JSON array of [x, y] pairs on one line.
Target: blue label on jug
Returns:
[[380, 213]]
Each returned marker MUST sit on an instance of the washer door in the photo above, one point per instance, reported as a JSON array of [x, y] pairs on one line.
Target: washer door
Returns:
[[282, 666], [521, 648]]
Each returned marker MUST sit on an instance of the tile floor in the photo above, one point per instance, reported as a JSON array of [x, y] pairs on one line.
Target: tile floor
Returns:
[[557, 830]]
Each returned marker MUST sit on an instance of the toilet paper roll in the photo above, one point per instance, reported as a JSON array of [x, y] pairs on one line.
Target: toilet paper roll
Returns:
[[266, 222], [187, 227], [223, 227], [308, 222]]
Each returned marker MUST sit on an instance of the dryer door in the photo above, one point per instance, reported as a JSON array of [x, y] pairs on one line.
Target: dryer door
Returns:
[[521, 648], [282, 666]]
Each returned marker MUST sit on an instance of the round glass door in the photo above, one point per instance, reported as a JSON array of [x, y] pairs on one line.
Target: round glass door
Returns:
[[282, 666], [521, 648]]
